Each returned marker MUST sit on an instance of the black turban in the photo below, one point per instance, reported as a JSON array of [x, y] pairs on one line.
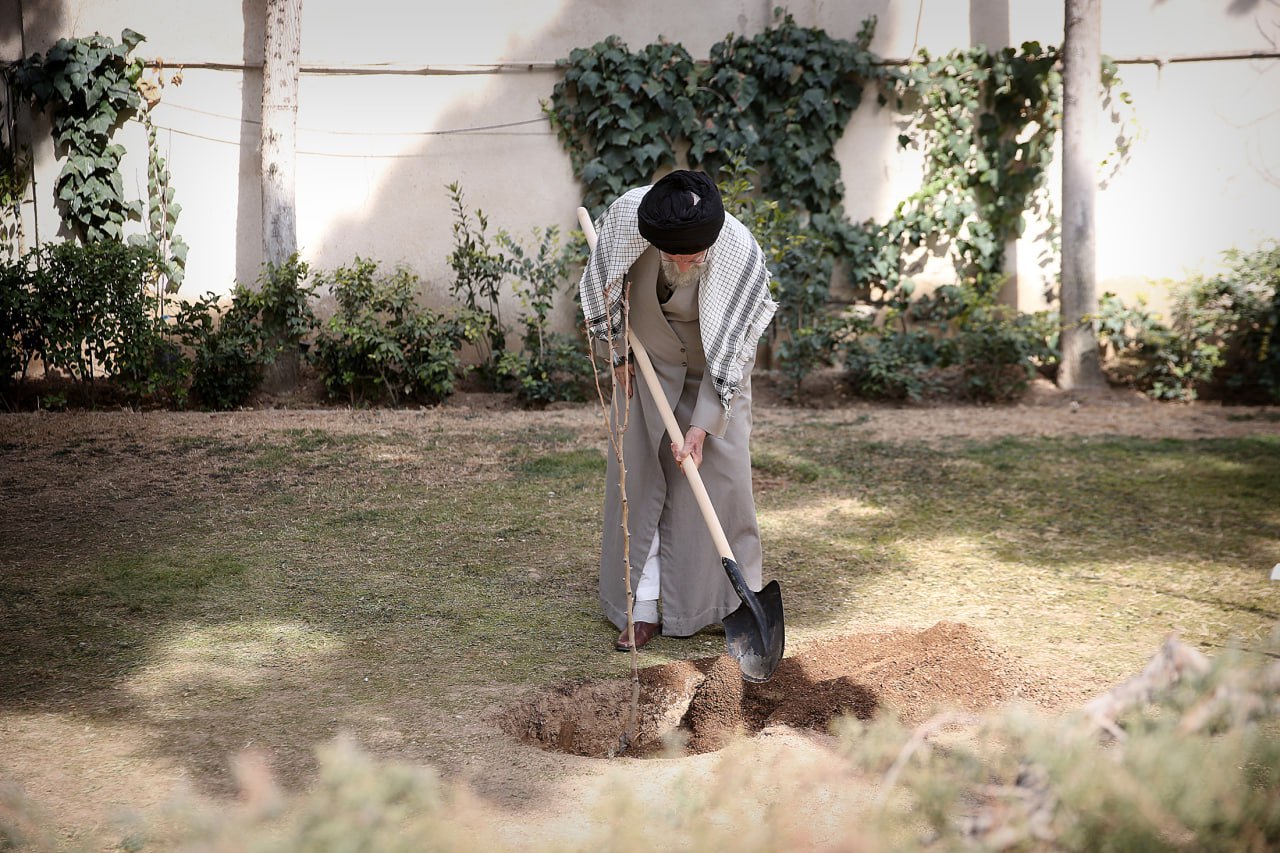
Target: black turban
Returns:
[[671, 221]]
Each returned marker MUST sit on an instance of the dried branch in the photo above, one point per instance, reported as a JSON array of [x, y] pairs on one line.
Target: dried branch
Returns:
[[1174, 660], [919, 740], [1235, 704]]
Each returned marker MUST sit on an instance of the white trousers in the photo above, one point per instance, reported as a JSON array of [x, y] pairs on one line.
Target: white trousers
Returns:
[[649, 587]]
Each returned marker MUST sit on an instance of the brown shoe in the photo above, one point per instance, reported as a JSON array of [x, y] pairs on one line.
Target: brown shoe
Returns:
[[645, 631]]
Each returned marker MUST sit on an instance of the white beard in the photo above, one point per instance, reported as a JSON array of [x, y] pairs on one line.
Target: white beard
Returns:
[[677, 279]]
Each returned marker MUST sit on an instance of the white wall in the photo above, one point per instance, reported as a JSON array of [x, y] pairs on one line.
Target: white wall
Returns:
[[1204, 172], [375, 152]]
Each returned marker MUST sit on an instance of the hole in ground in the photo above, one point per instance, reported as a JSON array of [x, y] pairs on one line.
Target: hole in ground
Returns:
[[702, 703]]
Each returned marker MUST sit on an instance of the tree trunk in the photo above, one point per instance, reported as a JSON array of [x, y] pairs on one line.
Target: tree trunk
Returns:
[[279, 131], [1081, 81]]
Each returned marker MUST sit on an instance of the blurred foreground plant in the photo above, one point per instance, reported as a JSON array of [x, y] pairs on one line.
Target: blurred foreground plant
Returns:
[[356, 804], [1184, 755]]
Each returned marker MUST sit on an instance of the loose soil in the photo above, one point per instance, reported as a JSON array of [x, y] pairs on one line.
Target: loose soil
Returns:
[[529, 754], [697, 706]]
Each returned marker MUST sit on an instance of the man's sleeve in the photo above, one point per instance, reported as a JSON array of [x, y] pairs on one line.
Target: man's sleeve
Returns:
[[708, 412]]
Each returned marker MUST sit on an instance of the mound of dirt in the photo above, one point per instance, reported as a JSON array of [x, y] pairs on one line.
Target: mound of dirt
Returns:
[[703, 702]]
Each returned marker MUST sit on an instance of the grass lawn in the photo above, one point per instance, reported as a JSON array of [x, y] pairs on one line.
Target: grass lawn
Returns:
[[212, 582]]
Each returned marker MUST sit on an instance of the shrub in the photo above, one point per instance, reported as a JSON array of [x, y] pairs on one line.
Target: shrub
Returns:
[[893, 365], [1122, 328], [160, 376], [90, 308], [261, 323], [84, 310], [550, 367], [1224, 334], [1147, 354], [227, 357], [92, 312], [1244, 305], [479, 270], [805, 348], [17, 346], [559, 370], [380, 344], [996, 349], [999, 349], [1178, 364]]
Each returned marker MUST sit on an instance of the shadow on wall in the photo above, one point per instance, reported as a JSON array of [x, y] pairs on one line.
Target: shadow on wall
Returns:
[[30, 26]]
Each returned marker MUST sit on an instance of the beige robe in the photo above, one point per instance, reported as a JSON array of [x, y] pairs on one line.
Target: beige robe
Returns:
[[695, 590]]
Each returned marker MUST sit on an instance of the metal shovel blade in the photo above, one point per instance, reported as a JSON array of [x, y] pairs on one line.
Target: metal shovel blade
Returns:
[[754, 633]]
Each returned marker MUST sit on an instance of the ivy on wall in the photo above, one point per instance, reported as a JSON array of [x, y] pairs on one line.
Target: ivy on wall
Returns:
[[88, 86], [986, 124], [15, 177], [162, 210], [620, 114], [781, 100]]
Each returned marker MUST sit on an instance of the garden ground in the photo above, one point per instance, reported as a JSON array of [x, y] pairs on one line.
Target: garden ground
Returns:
[[188, 598]]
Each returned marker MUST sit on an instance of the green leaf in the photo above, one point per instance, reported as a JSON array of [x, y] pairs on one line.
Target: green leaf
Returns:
[[131, 39]]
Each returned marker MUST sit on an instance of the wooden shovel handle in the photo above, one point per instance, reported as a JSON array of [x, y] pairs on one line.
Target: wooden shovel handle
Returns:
[[668, 416]]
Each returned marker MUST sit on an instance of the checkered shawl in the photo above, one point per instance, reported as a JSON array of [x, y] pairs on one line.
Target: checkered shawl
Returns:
[[734, 304]]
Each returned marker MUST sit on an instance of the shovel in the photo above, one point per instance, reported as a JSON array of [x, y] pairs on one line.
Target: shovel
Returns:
[[754, 634]]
